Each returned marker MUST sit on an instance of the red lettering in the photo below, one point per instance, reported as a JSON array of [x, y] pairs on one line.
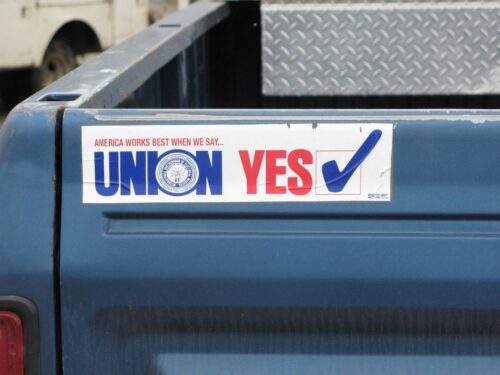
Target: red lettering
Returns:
[[273, 170], [302, 173], [300, 184], [111, 142], [251, 170]]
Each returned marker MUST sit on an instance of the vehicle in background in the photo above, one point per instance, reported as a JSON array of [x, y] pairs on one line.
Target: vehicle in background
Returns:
[[45, 39]]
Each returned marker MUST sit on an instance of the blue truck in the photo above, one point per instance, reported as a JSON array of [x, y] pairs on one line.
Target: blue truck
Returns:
[[261, 188]]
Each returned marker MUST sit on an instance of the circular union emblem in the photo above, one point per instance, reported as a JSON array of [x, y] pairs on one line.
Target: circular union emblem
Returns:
[[177, 172]]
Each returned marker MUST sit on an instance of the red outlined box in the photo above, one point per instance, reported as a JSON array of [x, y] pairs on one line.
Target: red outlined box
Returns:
[[318, 166]]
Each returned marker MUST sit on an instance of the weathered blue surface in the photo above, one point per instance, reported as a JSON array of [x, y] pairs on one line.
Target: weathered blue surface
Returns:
[[262, 364], [27, 199], [29, 209], [125, 276]]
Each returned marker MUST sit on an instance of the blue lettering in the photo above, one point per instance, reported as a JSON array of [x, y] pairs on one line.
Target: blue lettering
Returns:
[[210, 172], [152, 182], [100, 184], [133, 172]]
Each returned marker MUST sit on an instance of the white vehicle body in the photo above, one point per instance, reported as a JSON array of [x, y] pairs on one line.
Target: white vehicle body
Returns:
[[28, 26]]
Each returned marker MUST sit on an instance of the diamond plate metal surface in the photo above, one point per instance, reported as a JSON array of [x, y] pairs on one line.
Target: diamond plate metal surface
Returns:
[[361, 47]]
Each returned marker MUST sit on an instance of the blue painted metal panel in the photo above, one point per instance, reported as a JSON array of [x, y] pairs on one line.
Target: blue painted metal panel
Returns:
[[127, 271], [29, 231], [262, 364], [27, 203]]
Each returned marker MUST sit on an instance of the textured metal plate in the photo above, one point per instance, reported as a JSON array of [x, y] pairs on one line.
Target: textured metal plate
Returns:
[[360, 47]]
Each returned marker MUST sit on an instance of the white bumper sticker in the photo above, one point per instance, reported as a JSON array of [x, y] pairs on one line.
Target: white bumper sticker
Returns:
[[237, 163]]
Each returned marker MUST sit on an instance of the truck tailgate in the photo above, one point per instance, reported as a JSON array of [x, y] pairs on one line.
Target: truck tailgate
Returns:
[[404, 285]]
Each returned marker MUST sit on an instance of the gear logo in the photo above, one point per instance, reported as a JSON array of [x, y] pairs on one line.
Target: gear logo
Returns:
[[177, 172]]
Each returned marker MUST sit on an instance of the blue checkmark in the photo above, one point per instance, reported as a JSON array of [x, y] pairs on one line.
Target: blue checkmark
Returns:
[[336, 179]]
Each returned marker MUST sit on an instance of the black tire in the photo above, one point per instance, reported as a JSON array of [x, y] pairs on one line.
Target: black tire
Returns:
[[17, 85], [59, 59]]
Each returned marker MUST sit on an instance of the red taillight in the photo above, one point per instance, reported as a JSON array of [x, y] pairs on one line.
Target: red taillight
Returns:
[[11, 344]]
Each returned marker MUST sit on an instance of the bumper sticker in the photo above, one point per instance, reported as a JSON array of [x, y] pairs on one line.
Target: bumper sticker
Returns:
[[237, 163]]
